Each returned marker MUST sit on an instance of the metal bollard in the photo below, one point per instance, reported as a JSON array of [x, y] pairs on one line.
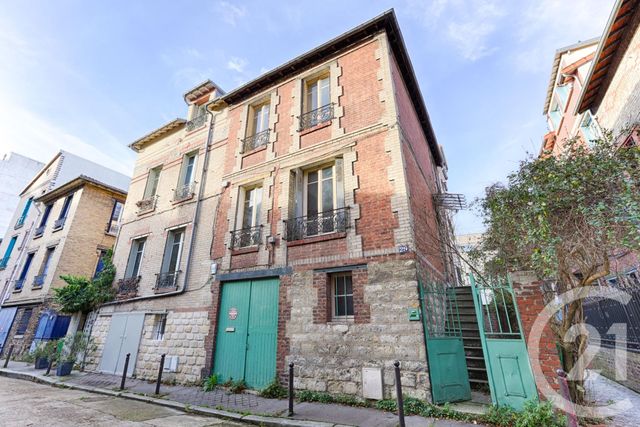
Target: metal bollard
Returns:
[[49, 367], [399, 394], [124, 371], [159, 380], [6, 361], [291, 393], [572, 419]]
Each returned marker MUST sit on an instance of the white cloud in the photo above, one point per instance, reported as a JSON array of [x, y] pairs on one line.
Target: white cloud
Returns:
[[237, 64], [231, 13]]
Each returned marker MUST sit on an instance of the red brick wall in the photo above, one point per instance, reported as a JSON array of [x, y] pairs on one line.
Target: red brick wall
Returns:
[[318, 249], [530, 300]]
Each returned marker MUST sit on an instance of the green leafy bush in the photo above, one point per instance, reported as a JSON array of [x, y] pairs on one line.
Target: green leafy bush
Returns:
[[539, 414], [388, 405], [238, 387], [274, 390], [500, 416], [210, 382]]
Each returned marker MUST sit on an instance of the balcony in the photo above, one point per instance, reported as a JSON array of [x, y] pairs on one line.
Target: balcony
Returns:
[[196, 122], [335, 221], [258, 140], [38, 281], [59, 223], [17, 285], [185, 192], [167, 282], [39, 231], [146, 205], [3, 262], [127, 287], [20, 222], [315, 117], [246, 237]]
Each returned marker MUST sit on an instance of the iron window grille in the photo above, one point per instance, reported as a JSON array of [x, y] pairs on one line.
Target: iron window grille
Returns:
[[316, 117], [146, 205], [20, 222], [128, 286], [59, 223], [185, 192], [334, 221], [39, 231], [38, 281], [17, 284], [167, 281], [246, 237], [255, 141], [196, 122]]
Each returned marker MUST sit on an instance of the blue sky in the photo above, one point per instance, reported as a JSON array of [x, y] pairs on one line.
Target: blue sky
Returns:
[[91, 77]]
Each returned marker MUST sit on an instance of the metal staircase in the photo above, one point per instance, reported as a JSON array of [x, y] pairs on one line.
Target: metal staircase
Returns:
[[471, 338]]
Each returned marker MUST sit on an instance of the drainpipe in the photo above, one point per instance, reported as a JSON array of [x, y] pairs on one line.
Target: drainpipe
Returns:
[[196, 218]]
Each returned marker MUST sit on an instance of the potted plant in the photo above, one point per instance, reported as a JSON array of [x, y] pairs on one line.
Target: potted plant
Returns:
[[74, 345], [44, 353]]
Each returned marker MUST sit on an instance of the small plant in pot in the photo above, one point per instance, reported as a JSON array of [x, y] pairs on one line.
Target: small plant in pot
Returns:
[[74, 346], [45, 352]]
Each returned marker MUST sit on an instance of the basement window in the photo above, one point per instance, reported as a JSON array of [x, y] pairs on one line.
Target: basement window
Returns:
[[342, 297], [159, 326]]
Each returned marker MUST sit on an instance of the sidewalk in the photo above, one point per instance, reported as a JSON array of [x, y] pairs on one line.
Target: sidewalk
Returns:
[[244, 407]]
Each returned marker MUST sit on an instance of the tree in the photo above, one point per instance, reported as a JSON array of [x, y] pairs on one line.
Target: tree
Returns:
[[563, 217], [84, 295]]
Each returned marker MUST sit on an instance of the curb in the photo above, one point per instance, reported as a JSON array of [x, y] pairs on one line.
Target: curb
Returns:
[[193, 409]]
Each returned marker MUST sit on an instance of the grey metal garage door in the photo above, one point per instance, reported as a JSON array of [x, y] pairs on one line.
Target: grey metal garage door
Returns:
[[123, 337]]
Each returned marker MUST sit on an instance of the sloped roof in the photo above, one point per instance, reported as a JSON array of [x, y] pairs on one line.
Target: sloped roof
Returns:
[[157, 133]]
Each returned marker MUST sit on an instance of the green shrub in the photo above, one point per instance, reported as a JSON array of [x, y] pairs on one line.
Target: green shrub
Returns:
[[314, 396], [539, 414], [210, 383], [388, 405], [238, 387], [274, 390], [500, 416]]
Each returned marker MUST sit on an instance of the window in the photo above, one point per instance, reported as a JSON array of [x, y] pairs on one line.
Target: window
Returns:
[[173, 251], [189, 169], [260, 120], [197, 111], [25, 211], [45, 215], [24, 321], [555, 115], [135, 257], [321, 198], [589, 128], [251, 204], [44, 268], [342, 296], [116, 216], [152, 182], [562, 92], [63, 213], [159, 325], [317, 93], [25, 270], [7, 252], [100, 264], [257, 127]]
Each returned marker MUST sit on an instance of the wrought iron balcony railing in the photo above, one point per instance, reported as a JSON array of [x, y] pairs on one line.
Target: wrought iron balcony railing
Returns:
[[184, 192], [335, 221], [317, 116], [255, 141], [20, 222], [128, 287], [17, 284], [59, 223], [38, 281], [3, 263], [196, 122], [167, 281], [246, 237], [39, 231], [146, 205]]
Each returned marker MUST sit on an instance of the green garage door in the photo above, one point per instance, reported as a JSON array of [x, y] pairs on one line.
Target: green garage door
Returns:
[[247, 332]]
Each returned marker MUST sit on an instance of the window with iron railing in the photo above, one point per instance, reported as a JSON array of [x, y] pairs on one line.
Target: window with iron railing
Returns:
[[7, 253], [116, 215], [257, 127], [317, 106], [186, 182], [43, 221], [25, 211], [198, 117], [334, 221], [135, 257], [249, 211], [59, 223], [167, 279]]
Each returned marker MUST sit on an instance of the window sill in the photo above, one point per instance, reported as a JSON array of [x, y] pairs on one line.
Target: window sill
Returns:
[[165, 290], [57, 229], [315, 239], [255, 150], [245, 250], [37, 236], [16, 291], [315, 128], [36, 287], [18, 226], [108, 233], [184, 199]]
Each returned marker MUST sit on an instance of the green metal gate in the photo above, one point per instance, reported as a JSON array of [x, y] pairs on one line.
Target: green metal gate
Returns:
[[247, 332], [505, 352], [445, 351]]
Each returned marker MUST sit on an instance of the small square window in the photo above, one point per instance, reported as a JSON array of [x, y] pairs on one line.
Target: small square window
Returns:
[[159, 326], [342, 296]]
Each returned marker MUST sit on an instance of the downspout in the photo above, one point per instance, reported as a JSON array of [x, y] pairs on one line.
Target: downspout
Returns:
[[196, 217]]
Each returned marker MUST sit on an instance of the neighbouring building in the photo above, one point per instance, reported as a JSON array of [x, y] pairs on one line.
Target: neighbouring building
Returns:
[[466, 245], [15, 173], [569, 71], [289, 220], [68, 216]]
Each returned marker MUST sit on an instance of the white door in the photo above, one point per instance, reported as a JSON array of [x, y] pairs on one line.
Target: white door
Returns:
[[123, 337]]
